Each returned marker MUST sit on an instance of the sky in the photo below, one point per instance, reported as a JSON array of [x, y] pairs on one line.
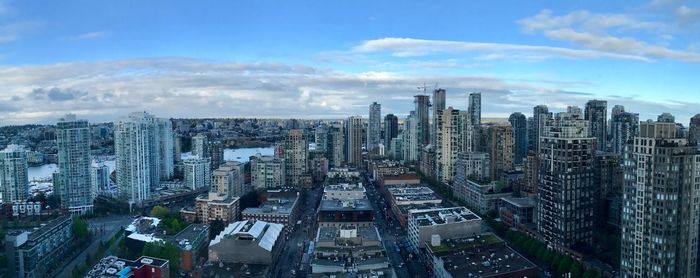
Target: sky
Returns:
[[331, 59]]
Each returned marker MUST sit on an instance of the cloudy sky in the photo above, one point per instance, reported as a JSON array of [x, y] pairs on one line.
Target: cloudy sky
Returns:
[[330, 59]]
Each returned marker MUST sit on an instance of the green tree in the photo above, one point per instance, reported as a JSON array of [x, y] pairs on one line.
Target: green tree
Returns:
[[555, 261], [564, 265], [163, 250], [576, 270], [80, 228], [160, 212]]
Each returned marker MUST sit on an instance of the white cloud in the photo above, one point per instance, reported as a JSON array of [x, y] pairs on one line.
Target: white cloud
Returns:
[[595, 32], [92, 35], [180, 87], [410, 47]]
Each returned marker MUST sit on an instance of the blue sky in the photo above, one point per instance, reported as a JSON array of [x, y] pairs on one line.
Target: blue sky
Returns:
[[102, 59]]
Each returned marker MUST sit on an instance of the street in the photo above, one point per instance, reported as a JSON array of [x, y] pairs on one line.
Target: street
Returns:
[[102, 229], [297, 241]]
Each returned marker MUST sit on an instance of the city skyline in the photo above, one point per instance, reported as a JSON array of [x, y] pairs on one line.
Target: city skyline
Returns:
[[178, 60]]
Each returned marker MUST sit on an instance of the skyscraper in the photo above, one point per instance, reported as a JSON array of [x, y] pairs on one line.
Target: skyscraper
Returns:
[[336, 145], [99, 178], [216, 152], [540, 115], [228, 179], [197, 172], [296, 157], [14, 175], [200, 146], [474, 109], [75, 187], [422, 131], [374, 128], [321, 138], [166, 149], [449, 143], [500, 149], [624, 126], [566, 187], [391, 129], [666, 118], [354, 138], [438, 106], [660, 205], [136, 146], [694, 130], [519, 123], [596, 114]]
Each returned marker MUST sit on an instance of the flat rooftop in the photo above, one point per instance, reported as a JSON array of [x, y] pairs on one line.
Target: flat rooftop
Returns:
[[344, 187], [276, 206], [236, 270], [331, 233], [406, 208], [337, 205], [439, 216], [480, 257], [522, 202]]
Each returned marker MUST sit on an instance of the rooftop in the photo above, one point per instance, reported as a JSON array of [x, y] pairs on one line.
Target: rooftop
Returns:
[[366, 233], [194, 234], [520, 202], [112, 266], [430, 217], [406, 176], [462, 258], [236, 270], [344, 187], [274, 206], [264, 233], [337, 205]]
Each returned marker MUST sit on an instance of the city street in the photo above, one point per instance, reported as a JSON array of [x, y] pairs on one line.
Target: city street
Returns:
[[102, 229], [391, 233], [297, 242]]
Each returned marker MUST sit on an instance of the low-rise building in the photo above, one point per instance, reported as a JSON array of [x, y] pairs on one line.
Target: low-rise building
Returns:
[[484, 255], [349, 248], [216, 206], [400, 179], [387, 167], [455, 222], [277, 208], [517, 212], [250, 242], [143, 267], [350, 212], [483, 197], [404, 198], [193, 242], [344, 191], [33, 253]]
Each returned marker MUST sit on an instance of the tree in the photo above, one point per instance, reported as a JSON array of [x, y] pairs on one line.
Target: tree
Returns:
[[215, 227], [160, 212], [576, 270], [590, 273], [564, 265], [80, 228], [163, 250], [555, 262]]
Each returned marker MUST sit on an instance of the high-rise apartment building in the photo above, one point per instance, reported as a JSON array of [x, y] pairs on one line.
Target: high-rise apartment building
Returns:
[[197, 172], [500, 149], [694, 130], [166, 149], [596, 114], [438, 106], [660, 205], [666, 118], [411, 142], [267, 172], [136, 146], [449, 142], [473, 165], [422, 131], [519, 123], [354, 138], [216, 152], [624, 126], [75, 187], [540, 115], [374, 128], [228, 179], [14, 175], [566, 188], [336, 145], [99, 179], [321, 138], [474, 109], [200, 146], [391, 129], [296, 157]]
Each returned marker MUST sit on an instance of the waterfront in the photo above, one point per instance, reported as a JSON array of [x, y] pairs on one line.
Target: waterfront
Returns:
[[45, 172]]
